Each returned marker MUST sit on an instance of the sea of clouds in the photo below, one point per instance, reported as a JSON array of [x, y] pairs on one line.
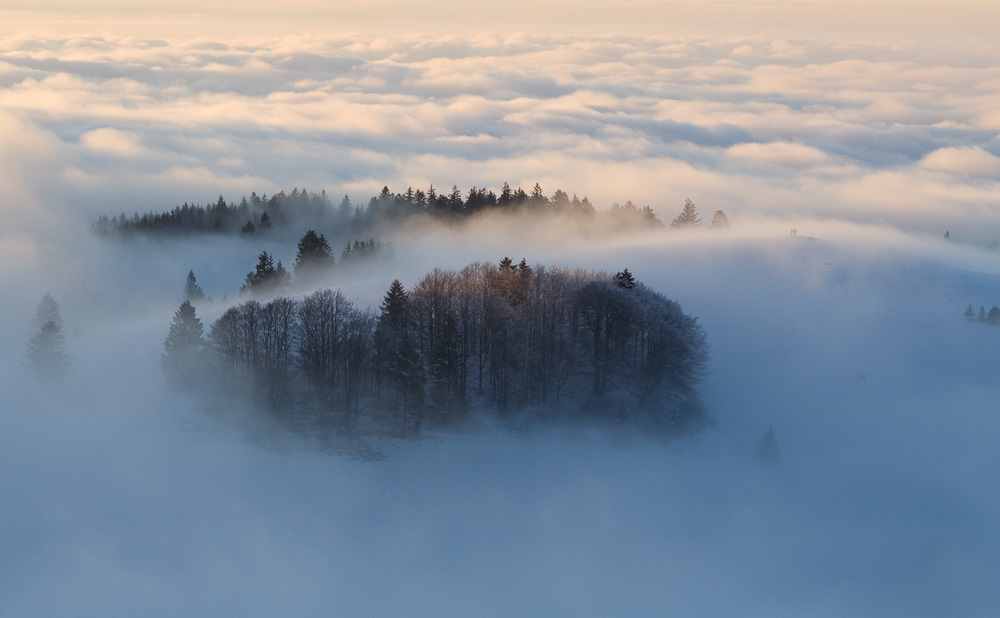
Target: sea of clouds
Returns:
[[122, 498], [895, 134]]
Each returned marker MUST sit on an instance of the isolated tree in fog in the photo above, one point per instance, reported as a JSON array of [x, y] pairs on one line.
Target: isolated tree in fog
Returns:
[[47, 356], [47, 311], [266, 279], [314, 255], [193, 291], [688, 217], [183, 349], [719, 220]]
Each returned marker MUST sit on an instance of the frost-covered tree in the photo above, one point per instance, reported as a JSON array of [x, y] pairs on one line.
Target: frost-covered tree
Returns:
[[688, 218], [182, 360]]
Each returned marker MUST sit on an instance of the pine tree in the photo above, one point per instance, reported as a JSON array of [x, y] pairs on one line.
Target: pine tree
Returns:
[[47, 311], [266, 278], [193, 291], [624, 279], [46, 357], [719, 220], [314, 255], [400, 368], [183, 349], [688, 217], [970, 313]]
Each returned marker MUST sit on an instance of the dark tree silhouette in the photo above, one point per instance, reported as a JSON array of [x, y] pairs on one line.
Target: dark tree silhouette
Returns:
[[313, 257], [183, 358], [266, 279], [624, 279], [193, 291]]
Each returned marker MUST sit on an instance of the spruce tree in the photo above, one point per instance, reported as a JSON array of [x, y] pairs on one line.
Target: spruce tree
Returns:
[[193, 291], [688, 218], [719, 220], [314, 255], [183, 349], [46, 357]]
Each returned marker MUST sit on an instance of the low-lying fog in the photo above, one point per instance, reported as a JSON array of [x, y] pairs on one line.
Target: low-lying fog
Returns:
[[123, 498]]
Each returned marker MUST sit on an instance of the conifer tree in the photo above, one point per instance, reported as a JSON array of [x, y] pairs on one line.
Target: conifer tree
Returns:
[[193, 291], [183, 348], [688, 218], [47, 358], [314, 254], [624, 279], [719, 220]]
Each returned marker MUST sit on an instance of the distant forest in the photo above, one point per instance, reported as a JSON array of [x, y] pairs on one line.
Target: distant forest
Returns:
[[509, 340], [256, 213]]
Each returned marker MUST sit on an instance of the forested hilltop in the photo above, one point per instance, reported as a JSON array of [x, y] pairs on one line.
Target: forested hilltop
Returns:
[[504, 340], [255, 214]]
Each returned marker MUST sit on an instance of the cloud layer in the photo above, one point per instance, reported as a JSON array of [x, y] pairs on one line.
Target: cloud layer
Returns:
[[779, 128]]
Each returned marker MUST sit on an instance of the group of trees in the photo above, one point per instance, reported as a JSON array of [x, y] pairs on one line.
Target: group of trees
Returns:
[[246, 216], [313, 259], [689, 219], [504, 337], [255, 214], [991, 317]]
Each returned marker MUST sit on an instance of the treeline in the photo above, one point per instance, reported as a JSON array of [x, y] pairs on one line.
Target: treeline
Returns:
[[505, 338], [247, 216], [991, 317], [259, 213]]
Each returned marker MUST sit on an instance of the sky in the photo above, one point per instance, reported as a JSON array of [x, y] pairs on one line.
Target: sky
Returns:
[[871, 128]]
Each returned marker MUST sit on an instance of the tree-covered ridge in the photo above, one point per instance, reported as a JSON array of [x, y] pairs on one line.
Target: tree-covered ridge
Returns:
[[504, 339], [247, 216], [254, 214]]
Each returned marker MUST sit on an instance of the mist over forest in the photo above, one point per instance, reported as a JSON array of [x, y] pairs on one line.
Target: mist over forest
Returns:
[[828, 451]]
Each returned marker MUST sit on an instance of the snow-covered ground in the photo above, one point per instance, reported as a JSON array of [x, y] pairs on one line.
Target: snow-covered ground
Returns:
[[122, 499]]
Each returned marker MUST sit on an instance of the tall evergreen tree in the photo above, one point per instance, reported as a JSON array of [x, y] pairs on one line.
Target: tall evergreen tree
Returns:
[[314, 255], [400, 369], [47, 311], [183, 349], [46, 357], [193, 291], [688, 218], [266, 279]]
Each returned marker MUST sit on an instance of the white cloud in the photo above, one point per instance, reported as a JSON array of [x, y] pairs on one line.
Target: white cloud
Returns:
[[969, 161], [112, 141], [785, 154]]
